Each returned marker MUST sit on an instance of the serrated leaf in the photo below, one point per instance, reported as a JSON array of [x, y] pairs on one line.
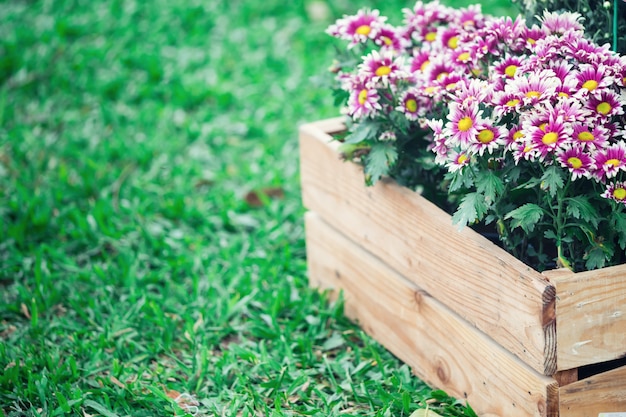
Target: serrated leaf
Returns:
[[525, 216], [550, 235], [552, 180], [380, 158], [367, 129], [472, 208], [489, 184], [595, 258], [459, 180], [579, 207]]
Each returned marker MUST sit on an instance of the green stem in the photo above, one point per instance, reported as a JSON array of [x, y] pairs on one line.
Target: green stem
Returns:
[[615, 6]]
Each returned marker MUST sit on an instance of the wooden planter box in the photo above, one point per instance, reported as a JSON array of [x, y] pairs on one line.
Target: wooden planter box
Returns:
[[467, 317]]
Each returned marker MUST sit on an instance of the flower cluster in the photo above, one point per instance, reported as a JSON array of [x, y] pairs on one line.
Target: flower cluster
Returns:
[[528, 122]]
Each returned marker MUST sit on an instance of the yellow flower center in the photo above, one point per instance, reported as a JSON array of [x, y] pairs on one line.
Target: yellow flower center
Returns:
[[619, 193], [533, 94], [518, 135], [476, 72], [424, 65], [512, 103], [527, 149], [590, 85], [461, 159], [549, 138], [411, 105], [451, 86], [465, 124], [563, 94], [453, 42], [363, 96], [383, 70], [387, 41], [574, 162], [585, 136], [430, 90], [612, 162], [531, 41], [510, 71], [464, 57], [604, 108], [442, 75], [363, 30], [542, 127], [485, 136], [431, 36]]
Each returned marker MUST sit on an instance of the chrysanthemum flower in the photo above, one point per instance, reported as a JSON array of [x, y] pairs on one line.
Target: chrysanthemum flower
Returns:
[[532, 35], [595, 137], [358, 28], [364, 100], [383, 68], [508, 66], [420, 61], [549, 138], [616, 191], [505, 103], [409, 104], [488, 138], [534, 88], [591, 78], [559, 23], [576, 160], [472, 92], [609, 161], [388, 38], [606, 104], [457, 160], [463, 122]]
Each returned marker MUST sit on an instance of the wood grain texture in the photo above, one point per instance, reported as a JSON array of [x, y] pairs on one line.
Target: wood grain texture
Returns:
[[591, 316], [603, 393], [486, 286], [442, 348]]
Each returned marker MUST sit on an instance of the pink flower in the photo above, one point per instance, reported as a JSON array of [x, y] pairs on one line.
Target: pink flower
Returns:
[[364, 100], [358, 28], [383, 68], [609, 161], [576, 161], [462, 123], [616, 192]]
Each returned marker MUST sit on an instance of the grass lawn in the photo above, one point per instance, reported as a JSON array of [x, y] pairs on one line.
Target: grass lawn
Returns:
[[152, 257]]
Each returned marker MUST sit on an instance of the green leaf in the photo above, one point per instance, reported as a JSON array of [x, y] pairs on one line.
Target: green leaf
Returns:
[[525, 217], [579, 207], [459, 180], [619, 220], [100, 408], [380, 158], [552, 180], [595, 258], [490, 185], [472, 209], [364, 130]]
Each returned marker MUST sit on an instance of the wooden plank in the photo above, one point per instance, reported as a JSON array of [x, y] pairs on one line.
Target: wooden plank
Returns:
[[491, 289], [602, 393], [443, 349], [591, 316]]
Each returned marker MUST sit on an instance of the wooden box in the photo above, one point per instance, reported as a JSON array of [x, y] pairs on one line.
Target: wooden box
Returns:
[[467, 317]]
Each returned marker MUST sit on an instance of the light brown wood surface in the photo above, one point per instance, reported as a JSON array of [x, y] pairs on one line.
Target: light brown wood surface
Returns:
[[603, 393], [591, 316], [489, 288], [442, 348]]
